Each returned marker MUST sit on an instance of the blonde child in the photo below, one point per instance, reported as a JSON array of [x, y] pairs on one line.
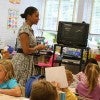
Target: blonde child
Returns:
[[69, 94], [8, 84], [5, 54], [81, 75], [91, 87], [43, 90]]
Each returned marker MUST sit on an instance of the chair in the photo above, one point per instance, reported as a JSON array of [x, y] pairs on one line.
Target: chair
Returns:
[[43, 65]]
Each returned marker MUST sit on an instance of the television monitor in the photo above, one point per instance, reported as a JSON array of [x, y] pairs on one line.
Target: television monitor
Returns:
[[72, 34]]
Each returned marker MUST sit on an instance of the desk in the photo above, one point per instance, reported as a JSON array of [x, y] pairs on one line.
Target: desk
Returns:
[[7, 97]]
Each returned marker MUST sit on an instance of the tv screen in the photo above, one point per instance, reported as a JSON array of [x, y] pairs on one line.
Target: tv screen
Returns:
[[73, 34]]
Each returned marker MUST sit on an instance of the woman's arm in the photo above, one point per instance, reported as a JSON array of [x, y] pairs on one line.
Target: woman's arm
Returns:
[[12, 92], [24, 39]]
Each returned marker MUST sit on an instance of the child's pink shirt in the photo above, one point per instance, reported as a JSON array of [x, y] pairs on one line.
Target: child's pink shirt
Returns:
[[82, 90], [81, 76]]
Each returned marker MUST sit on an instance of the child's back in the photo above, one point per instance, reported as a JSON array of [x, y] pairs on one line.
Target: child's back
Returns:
[[91, 87], [81, 75]]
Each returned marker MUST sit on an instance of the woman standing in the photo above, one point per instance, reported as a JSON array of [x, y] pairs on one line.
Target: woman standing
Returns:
[[26, 46]]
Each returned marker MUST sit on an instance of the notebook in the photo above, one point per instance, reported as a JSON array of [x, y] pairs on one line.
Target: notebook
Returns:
[[57, 74]]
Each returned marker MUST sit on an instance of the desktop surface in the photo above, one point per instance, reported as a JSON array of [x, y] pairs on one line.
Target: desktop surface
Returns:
[[7, 97]]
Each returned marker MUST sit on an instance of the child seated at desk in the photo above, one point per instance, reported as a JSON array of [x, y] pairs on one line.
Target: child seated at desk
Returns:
[[81, 75], [69, 94], [91, 87], [8, 84], [43, 90]]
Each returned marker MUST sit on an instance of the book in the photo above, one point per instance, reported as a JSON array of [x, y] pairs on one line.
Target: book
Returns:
[[57, 74]]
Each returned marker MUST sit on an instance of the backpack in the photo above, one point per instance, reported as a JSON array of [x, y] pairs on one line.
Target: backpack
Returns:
[[29, 82]]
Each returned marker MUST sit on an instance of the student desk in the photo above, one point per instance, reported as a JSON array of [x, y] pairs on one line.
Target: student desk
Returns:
[[7, 97]]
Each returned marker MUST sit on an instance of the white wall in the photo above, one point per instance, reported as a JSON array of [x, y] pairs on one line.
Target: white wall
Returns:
[[8, 36]]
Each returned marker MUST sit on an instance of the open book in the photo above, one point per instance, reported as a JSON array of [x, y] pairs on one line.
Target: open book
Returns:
[[57, 74]]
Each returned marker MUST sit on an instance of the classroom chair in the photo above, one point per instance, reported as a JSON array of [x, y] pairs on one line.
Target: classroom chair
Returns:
[[43, 65]]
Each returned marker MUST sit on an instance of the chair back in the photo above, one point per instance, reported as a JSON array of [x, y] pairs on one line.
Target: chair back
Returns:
[[51, 59]]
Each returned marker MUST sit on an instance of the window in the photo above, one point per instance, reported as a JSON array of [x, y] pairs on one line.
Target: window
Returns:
[[95, 19], [51, 15], [94, 36], [66, 10], [55, 11], [58, 10]]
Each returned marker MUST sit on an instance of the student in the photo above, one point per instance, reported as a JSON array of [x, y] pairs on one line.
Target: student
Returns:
[[81, 75], [69, 94], [5, 54], [69, 77], [91, 87], [8, 84], [26, 46], [43, 90]]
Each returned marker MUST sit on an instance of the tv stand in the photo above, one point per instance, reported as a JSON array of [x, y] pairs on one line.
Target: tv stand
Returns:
[[70, 59]]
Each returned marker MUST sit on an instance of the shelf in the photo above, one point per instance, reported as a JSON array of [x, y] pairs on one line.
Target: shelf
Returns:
[[64, 61], [68, 58], [77, 47]]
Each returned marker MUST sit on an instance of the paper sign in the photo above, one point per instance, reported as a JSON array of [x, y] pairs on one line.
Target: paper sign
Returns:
[[57, 74]]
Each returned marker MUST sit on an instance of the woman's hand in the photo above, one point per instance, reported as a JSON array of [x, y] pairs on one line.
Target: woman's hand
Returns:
[[41, 47]]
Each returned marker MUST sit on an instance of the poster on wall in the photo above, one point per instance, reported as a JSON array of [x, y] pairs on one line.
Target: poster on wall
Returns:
[[12, 19], [15, 1]]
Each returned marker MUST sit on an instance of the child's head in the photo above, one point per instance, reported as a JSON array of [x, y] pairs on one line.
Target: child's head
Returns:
[[43, 90], [91, 60], [69, 77], [5, 54], [92, 72], [6, 70]]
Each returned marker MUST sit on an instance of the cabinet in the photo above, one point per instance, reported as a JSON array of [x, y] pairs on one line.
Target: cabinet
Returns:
[[70, 57]]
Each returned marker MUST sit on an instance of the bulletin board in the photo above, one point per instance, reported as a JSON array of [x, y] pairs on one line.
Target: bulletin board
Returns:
[[15, 1], [12, 19]]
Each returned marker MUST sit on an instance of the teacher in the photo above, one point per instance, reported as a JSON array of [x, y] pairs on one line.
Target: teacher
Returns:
[[23, 60]]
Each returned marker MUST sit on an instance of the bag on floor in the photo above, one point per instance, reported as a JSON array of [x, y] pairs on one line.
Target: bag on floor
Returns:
[[29, 82]]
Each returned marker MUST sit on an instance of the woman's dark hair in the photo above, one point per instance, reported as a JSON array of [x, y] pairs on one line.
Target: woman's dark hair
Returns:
[[91, 60], [28, 11]]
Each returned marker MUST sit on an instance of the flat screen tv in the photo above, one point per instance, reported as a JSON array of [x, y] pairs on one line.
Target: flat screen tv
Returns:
[[72, 34]]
